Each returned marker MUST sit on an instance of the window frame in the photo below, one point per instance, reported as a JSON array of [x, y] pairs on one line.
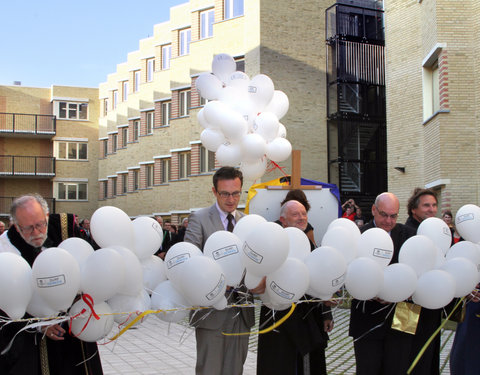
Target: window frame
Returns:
[[149, 175], [124, 131], [207, 19], [124, 183], [114, 186], [66, 190], [115, 99], [207, 160], [136, 81], [184, 40], [184, 165], [150, 69], [229, 9], [166, 56], [184, 102], [124, 91], [166, 113], [67, 143], [71, 107], [165, 175], [136, 130], [150, 122], [114, 143], [136, 179]]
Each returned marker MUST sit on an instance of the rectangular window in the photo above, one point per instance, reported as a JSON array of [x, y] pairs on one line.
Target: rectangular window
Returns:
[[233, 8], [135, 179], [166, 56], [185, 38], [431, 90], [150, 122], [240, 64], [183, 165], [71, 151], [184, 99], [105, 189], [124, 91], [206, 23], [72, 111], [124, 137], [114, 142], [136, 81], [136, 130], [149, 175], [105, 107], [124, 183], [105, 148], [207, 160], [115, 99], [150, 69], [165, 175], [166, 110], [114, 186], [71, 191]]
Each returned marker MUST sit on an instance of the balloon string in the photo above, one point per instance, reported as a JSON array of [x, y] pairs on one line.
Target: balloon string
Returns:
[[429, 341], [276, 166], [89, 302], [87, 298]]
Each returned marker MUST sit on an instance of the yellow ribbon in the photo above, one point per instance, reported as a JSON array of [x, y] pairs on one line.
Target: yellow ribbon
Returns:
[[253, 190]]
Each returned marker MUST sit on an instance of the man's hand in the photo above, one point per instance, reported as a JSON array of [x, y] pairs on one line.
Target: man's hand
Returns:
[[331, 303], [260, 288], [327, 325], [474, 295], [54, 332]]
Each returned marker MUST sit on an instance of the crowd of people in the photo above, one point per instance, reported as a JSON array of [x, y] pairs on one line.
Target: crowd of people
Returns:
[[295, 347]]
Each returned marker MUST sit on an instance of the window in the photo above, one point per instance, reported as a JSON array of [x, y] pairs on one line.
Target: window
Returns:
[[149, 175], [72, 111], [114, 142], [150, 69], [166, 110], [166, 56], [206, 23], [135, 180], [124, 183], [183, 164], [185, 38], [124, 91], [105, 189], [233, 8], [115, 99], [71, 191], [136, 81], [240, 64], [71, 150], [165, 175], [114, 186], [105, 107], [105, 148], [136, 130], [207, 160], [184, 99], [150, 122], [431, 100], [124, 137]]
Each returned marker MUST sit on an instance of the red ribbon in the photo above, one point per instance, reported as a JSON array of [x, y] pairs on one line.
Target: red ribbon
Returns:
[[87, 298]]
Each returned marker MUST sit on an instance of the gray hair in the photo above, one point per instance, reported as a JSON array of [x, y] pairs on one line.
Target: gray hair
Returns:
[[23, 200], [286, 205]]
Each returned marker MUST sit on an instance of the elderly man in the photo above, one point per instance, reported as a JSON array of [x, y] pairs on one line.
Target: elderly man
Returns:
[[218, 354], [54, 349], [379, 349], [303, 337]]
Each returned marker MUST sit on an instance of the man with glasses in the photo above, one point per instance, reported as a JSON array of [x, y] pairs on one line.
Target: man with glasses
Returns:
[[34, 230], [379, 349], [218, 354]]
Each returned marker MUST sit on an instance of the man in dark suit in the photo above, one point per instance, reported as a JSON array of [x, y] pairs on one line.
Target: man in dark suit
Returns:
[[379, 349], [218, 354], [167, 241]]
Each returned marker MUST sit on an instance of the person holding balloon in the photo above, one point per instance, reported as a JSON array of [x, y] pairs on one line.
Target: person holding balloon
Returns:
[[50, 347]]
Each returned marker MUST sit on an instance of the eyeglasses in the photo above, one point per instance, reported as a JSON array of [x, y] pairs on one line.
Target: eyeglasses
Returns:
[[29, 230], [226, 194], [385, 215]]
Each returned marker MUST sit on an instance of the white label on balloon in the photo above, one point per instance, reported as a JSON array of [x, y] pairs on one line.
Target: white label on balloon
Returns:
[[252, 89], [214, 293], [382, 253], [256, 257], [281, 292], [179, 259], [465, 217], [48, 282], [339, 280], [225, 252]]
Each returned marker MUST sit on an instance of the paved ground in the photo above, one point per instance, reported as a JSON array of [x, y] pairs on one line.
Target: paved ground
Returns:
[[156, 347]]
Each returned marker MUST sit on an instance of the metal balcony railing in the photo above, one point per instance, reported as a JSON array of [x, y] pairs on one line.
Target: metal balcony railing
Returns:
[[6, 202], [27, 166], [23, 123]]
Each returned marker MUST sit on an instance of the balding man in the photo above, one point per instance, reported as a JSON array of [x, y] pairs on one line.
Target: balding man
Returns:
[[303, 337], [379, 349]]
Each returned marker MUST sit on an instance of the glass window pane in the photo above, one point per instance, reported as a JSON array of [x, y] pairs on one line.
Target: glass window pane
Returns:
[[72, 151], [61, 190], [83, 109], [82, 151], [72, 110], [72, 192], [62, 150], [62, 110], [82, 191]]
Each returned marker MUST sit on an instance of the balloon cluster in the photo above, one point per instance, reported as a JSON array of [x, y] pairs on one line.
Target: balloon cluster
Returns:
[[241, 118]]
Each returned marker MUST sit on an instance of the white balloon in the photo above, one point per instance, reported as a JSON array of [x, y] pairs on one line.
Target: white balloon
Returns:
[[399, 283], [148, 236], [111, 226], [133, 306], [327, 268], [419, 253], [223, 65], [345, 241], [376, 243], [39, 308], [166, 297], [282, 131], [299, 244], [225, 248], [347, 224], [154, 272], [253, 170], [15, 284], [279, 149], [133, 279], [435, 289], [438, 231], [234, 127], [208, 86], [202, 120], [212, 139], [278, 104], [467, 222], [265, 298], [229, 154], [103, 274], [253, 146], [215, 112], [239, 80], [238, 100], [465, 274], [468, 250], [265, 249], [261, 89], [78, 247], [251, 280], [177, 256], [439, 258], [85, 326], [364, 278], [56, 276], [288, 283], [246, 224], [266, 125]]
